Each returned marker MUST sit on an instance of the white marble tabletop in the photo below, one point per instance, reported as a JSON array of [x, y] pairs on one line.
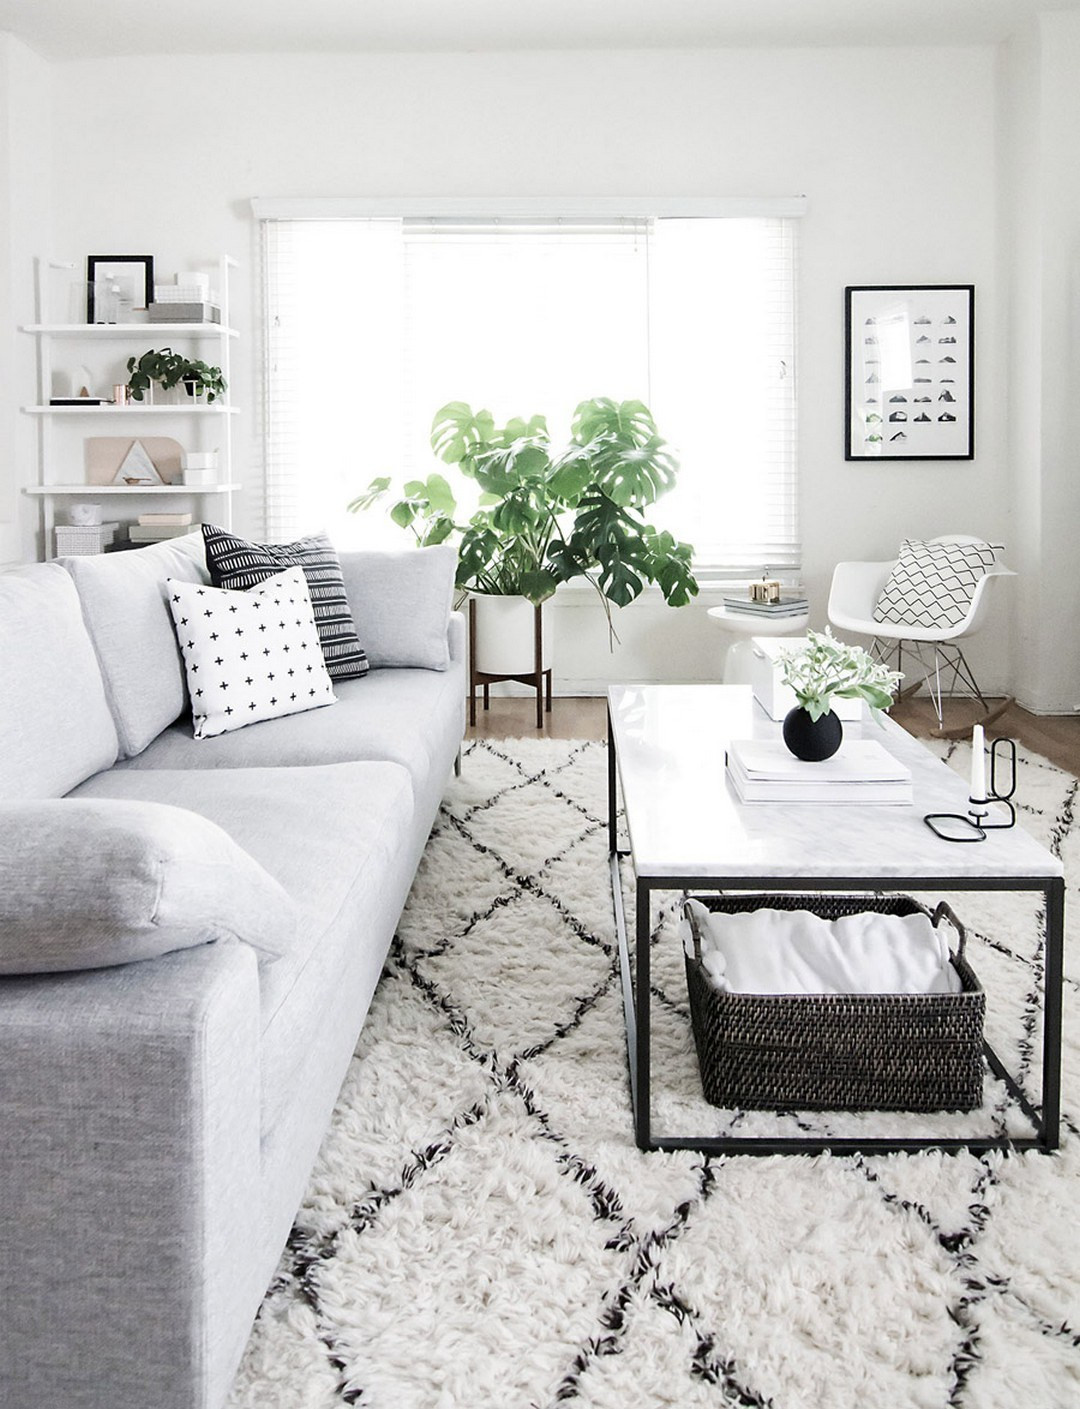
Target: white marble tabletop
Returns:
[[684, 819]]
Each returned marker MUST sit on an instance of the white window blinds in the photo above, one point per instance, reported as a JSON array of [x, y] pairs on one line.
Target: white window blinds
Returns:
[[372, 324]]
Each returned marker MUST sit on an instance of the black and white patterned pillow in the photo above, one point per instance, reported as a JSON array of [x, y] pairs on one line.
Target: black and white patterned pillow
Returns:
[[235, 562], [248, 655], [932, 584]]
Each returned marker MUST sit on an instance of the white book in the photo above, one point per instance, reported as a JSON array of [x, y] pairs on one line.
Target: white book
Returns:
[[851, 794], [856, 761], [150, 520]]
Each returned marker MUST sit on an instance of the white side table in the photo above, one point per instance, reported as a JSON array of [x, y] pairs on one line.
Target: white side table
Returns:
[[738, 662]]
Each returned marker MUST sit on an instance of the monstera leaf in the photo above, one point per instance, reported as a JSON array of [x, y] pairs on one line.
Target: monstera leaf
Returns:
[[545, 520], [670, 566], [455, 431], [629, 422]]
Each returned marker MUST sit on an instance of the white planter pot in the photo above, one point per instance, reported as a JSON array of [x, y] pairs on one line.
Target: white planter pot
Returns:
[[506, 636]]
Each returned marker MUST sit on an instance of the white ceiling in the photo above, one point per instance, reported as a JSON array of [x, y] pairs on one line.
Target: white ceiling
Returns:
[[69, 29]]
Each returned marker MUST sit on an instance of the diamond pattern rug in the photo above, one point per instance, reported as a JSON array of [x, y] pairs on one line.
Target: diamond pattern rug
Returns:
[[480, 1231]]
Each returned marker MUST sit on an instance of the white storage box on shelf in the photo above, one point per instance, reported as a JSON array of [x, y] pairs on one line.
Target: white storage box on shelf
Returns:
[[776, 698], [80, 540], [200, 467]]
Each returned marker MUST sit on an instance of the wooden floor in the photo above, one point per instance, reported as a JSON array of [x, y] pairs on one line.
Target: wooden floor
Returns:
[[1056, 737]]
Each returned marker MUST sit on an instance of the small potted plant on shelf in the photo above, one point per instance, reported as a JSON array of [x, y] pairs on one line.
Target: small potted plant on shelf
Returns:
[[546, 517], [819, 672], [169, 369]]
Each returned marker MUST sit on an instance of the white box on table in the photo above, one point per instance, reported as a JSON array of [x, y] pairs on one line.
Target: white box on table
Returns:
[[776, 698]]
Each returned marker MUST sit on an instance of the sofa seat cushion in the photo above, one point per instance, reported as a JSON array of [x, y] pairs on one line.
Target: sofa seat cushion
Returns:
[[323, 834], [401, 716], [126, 614], [55, 724]]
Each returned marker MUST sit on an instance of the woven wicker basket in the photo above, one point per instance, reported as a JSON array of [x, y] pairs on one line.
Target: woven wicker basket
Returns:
[[892, 1051]]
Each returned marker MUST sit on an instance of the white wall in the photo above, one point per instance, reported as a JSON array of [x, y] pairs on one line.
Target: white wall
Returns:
[[895, 149], [1040, 243], [25, 190]]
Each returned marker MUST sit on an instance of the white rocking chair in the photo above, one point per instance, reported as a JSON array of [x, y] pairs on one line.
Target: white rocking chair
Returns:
[[936, 651]]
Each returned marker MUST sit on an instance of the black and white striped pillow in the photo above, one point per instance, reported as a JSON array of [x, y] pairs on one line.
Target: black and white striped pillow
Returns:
[[235, 563]]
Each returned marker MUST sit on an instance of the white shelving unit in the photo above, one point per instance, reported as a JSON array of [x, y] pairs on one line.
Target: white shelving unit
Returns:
[[60, 455]]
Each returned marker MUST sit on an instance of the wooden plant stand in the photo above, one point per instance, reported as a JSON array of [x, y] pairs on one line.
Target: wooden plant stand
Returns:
[[538, 678]]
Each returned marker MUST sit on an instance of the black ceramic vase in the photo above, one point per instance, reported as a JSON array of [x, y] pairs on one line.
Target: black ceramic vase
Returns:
[[812, 740]]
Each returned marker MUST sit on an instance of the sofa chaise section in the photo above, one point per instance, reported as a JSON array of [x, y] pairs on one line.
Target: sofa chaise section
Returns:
[[158, 1119]]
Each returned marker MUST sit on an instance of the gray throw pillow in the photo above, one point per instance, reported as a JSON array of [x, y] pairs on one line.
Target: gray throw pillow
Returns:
[[86, 883]]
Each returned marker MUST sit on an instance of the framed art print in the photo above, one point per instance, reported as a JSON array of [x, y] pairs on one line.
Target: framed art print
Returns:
[[117, 285], [910, 369]]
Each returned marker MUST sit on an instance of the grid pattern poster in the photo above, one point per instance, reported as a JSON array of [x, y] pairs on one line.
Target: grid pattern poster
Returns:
[[910, 367]]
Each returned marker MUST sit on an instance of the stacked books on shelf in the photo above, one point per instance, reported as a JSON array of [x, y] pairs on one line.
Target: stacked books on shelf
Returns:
[[151, 528], [793, 603], [763, 770]]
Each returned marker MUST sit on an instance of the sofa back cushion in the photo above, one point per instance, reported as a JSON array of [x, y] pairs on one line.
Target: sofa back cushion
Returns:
[[401, 602], [86, 883], [127, 616], [55, 725]]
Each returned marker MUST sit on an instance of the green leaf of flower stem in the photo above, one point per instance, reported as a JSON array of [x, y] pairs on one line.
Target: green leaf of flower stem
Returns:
[[826, 669]]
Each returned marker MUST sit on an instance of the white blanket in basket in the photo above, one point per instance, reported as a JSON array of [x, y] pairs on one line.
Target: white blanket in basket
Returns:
[[793, 951]]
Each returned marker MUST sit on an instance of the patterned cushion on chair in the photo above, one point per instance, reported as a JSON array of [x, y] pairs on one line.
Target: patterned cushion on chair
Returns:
[[932, 584]]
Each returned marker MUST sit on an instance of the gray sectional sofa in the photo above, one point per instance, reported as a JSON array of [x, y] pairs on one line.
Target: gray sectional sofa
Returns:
[[159, 1118]]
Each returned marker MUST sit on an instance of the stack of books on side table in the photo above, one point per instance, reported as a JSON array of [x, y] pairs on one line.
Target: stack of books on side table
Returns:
[[151, 528], [793, 603], [763, 770]]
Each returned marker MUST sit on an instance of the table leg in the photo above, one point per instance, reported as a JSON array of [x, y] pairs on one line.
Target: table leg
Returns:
[[642, 1112], [1052, 979]]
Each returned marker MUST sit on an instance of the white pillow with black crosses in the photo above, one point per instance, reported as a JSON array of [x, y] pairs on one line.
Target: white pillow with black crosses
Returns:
[[249, 655], [932, 584]]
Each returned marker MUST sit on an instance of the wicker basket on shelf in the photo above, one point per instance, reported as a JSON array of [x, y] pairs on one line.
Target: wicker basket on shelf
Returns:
[[890, 1051]]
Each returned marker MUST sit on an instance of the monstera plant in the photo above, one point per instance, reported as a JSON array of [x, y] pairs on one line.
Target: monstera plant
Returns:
[[545, 517]]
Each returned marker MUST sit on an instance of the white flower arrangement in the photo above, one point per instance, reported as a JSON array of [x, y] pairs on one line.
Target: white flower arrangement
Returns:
[[826, 669]]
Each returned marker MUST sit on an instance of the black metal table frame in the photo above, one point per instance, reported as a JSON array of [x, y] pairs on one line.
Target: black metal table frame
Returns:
[[1045, 1119]]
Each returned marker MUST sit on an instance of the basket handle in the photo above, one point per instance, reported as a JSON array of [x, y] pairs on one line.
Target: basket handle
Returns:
[[944, 911], [695, 934]]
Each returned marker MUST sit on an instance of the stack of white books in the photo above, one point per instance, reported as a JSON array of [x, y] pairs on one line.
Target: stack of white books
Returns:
[[862, 771], [789, 604], [152, 528]]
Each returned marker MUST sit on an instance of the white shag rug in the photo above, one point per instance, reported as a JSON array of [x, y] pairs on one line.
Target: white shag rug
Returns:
[[480, 1231]]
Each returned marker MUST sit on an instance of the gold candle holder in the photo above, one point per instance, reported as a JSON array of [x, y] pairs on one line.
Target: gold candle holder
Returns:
[[767, 590]]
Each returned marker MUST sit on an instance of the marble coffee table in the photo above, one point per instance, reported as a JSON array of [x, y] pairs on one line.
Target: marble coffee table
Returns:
[[688, 831]]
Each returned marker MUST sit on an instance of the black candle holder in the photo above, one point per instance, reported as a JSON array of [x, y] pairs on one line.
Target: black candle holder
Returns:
[[973, 825]]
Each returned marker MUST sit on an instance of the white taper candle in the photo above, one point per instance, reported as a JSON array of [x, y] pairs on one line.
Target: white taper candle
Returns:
[[978, 764]]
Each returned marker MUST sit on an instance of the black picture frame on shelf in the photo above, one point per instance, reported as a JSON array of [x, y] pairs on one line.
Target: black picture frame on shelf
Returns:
[[909, 372], [138, 269]]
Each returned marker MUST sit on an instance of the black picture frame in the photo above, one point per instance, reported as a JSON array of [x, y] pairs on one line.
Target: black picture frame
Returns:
[[97, 264], [909, 372]]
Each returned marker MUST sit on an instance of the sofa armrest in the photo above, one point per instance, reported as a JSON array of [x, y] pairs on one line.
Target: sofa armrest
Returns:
[[130, 1164], [457, 636], [400, 602]]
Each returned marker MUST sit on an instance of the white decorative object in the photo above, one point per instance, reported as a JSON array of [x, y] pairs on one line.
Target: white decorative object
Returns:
[[137, 467], [506, 636], [85, 515], [978, 764], [199, 460], [79, 541], [249, 655], [776, 698], [739, 656]]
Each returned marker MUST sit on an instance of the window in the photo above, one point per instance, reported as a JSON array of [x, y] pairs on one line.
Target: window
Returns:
[[374, 323]]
